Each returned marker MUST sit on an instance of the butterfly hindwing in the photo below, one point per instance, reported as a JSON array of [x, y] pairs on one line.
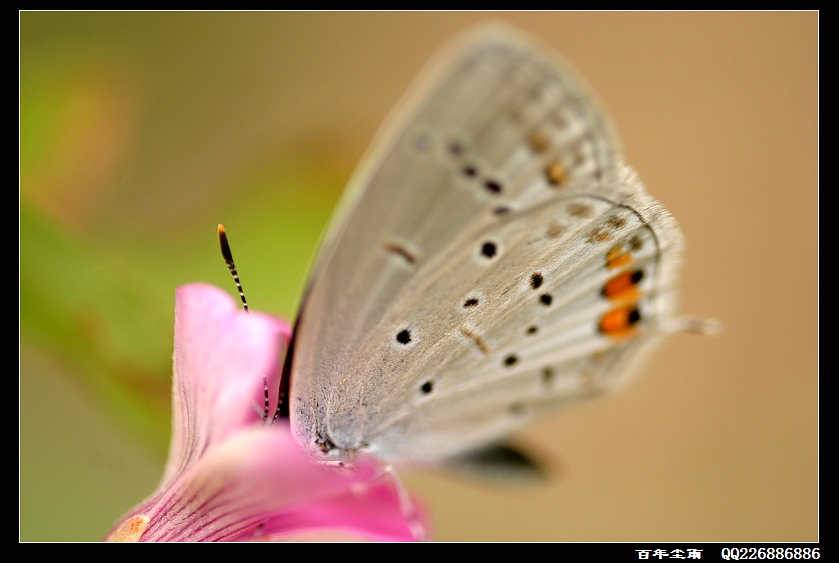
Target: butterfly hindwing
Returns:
[[493, 259]]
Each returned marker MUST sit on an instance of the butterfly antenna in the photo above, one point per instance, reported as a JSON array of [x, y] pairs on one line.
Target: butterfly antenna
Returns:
[[228, 257], [265, 407]]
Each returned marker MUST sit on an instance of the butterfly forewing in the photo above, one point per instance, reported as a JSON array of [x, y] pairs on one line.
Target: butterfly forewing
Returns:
[[493, 258]]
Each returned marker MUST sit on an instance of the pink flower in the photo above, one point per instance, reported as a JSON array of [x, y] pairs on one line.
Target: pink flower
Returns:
[[232, 476]]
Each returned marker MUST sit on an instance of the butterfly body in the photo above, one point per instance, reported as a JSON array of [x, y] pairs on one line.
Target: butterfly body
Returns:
[[493, 260]]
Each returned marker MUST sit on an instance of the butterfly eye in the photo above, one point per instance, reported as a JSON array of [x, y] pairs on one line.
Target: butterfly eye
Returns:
[[427, 387]]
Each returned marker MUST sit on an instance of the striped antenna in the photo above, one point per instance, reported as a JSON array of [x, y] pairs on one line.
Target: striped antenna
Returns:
[[228, 257]]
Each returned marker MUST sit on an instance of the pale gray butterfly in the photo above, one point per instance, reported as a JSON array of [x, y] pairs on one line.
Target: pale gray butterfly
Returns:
[[493, 259]]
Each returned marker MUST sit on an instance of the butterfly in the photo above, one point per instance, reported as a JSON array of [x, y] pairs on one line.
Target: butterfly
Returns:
[[492, 259]]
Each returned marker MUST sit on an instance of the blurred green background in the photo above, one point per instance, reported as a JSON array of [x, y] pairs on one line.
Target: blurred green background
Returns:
[[140, 132]]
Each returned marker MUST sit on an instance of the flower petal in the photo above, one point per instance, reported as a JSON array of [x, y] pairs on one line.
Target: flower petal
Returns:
[[370, 511], [232, 475], [252, 477], [223, 358]]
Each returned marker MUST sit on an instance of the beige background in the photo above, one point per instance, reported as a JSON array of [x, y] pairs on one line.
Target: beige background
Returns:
[[718, 112]]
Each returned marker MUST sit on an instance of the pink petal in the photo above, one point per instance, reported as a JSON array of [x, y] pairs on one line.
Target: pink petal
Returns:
[[223, 357], [252, 477], [231, 475], [371, 511]]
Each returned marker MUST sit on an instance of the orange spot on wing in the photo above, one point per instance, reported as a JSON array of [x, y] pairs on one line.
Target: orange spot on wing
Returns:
[[618, 261], [556, 173], [617, 257], [620, 322], [623, 286]]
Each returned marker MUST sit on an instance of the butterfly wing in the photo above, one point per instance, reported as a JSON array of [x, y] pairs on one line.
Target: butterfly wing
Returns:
[[492, 259]]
